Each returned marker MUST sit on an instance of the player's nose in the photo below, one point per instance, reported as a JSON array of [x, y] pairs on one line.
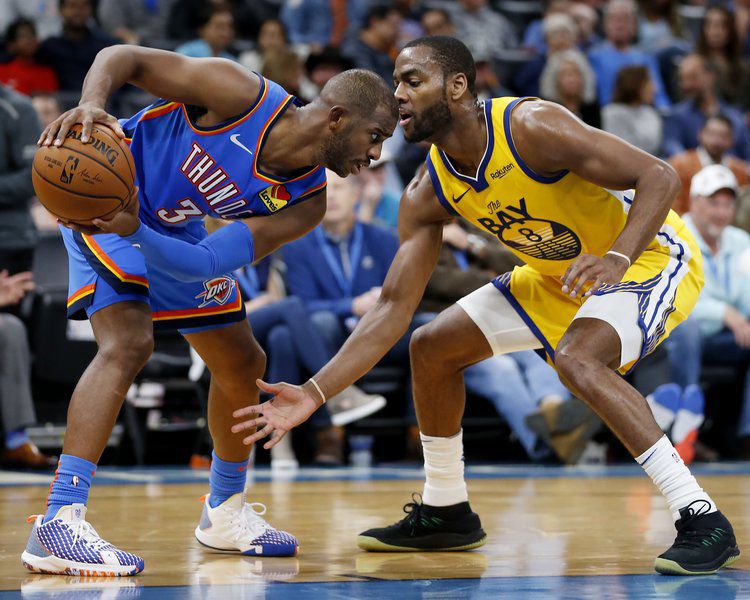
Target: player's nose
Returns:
[[374, 152]]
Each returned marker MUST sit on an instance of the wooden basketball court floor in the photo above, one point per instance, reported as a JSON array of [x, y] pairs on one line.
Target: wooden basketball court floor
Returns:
[[554, 532]]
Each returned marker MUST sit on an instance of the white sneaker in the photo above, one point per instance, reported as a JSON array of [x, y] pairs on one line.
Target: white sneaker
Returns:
[[235, 526], [352, 404], [69, 545]]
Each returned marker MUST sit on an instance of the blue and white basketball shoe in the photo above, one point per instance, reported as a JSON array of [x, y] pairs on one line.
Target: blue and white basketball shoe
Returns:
[[236, 526], [69, 545]]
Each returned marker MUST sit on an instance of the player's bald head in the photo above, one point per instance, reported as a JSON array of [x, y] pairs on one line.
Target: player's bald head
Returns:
[[360, 92]]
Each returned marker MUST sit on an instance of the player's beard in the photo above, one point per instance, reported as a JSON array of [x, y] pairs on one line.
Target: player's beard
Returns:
[[431, 120], [336, 152]]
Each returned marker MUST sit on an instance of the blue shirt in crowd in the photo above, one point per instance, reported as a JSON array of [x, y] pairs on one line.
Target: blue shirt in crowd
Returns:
[[328, 273], [685, 120], [606, 60], [726, 282], [200, 49]]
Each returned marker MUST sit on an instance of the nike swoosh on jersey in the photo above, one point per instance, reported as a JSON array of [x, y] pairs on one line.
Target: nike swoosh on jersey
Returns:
[[457, 200], [234, 139]]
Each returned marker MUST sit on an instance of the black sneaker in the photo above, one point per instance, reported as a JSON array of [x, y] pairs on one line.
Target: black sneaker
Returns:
[[427, 528], [704, 544]]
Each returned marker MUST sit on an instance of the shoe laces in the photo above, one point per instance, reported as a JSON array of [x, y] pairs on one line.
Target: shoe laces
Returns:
[[690, 536], [83, 531], [249, 522], [413, 511]]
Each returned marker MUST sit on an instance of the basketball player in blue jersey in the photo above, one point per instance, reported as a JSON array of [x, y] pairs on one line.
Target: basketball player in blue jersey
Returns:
[[609, 271], [223, 143]]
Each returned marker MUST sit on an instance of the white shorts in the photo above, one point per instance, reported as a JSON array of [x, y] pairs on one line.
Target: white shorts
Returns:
[[507, 331]]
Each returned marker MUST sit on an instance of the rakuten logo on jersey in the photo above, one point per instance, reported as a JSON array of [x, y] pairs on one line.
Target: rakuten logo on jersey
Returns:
[[218, 290]]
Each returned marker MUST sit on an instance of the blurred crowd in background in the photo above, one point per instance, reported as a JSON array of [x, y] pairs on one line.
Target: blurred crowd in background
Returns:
[[672, 78]]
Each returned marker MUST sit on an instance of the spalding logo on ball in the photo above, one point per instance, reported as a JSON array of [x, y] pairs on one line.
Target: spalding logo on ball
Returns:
[[80, 182]]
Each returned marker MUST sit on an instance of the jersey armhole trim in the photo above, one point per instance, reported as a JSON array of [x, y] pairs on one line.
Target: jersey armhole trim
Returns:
[[234, 121], [438, 189], [509, 138]]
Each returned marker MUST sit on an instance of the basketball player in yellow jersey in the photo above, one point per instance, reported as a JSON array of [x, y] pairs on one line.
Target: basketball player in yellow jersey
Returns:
[[609, 272]]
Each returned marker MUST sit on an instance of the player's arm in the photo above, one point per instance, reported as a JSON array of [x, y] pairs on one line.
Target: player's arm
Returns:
[[550, 139], [421, 221], [219, 85], [227, 249]]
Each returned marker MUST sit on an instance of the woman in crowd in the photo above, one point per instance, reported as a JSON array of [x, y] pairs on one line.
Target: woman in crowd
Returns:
[[569, 80]]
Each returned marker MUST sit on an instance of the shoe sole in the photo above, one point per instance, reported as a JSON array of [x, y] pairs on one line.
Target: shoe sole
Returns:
[[360, 412], [53, 565], [210, 542], [670, 567], [566, 417], [372, 544]]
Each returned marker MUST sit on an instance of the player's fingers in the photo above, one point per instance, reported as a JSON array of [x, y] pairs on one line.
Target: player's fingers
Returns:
[[249, 424], [248, 411], [86, 124], [574, 270], [275, 439], [52, 130], [269, 388], [115, 126], [65, 126], [583, 278], [595, 286], [258, 435]]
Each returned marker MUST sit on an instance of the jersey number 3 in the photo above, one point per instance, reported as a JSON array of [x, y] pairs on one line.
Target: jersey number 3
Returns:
[[178, 215]]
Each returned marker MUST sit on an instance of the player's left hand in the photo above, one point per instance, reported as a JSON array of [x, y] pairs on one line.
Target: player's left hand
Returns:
[[290, 406], [598, 270], [123, 223]]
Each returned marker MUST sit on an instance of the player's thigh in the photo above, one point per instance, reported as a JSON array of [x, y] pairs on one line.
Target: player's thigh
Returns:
[[494, 323], [230, 351]]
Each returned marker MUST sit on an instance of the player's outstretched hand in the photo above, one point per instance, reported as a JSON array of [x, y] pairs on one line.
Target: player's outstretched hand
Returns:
[[86, 114], [597, 270], [123, 223], [290, 406]]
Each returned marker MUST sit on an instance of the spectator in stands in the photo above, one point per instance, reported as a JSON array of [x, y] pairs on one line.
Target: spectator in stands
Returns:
[[718, 329], [568, 80], [308, 22], [23, 73], [135, 21], [47, 108], [437, 21], [338, 269], [215, 35], [719, 44], [617, 51], [631, 114], [377, 204], [685, 120], [587, 20], [44, 13], [560, 34], [320, 67], [487, 84], [296, 350], [284, 67], [372, 48], [19, 130], [70, 54], [534, 37], [716, 140], [272, 36], [658, 25], [16, 402], [484, 31]]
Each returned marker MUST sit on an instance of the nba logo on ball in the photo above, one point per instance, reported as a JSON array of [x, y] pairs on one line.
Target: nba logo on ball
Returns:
[[218, 290], [71, 164]]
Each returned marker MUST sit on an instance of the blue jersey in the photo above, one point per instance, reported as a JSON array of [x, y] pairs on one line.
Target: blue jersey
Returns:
[[186, 172]]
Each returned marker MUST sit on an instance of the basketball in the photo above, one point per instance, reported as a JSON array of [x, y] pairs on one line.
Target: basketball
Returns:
[[79, 182]]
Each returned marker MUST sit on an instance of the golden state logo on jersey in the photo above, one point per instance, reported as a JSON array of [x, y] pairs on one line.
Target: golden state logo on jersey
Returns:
[[275, 197], [539, 238], [218, 289]]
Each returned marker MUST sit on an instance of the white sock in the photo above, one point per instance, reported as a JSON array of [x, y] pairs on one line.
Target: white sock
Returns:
[[674, 480], [444, 468]]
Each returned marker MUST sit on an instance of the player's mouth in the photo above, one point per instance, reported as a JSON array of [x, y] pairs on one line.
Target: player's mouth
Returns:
[[404, 117], [358, 165]]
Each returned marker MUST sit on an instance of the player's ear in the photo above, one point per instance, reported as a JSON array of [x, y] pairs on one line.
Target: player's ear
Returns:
[[456, 86], [336, 116]]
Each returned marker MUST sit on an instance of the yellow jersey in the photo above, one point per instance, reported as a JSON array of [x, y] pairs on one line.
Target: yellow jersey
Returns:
[[546, 221]]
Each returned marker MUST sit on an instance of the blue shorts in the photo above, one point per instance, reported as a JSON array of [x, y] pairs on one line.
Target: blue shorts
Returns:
[[105, 269]]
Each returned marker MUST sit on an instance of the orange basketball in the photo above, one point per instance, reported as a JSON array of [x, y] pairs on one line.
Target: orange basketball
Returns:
[[79, 182]]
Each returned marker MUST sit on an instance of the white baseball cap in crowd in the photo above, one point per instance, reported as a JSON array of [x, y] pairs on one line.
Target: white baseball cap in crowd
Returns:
[[711, 179]]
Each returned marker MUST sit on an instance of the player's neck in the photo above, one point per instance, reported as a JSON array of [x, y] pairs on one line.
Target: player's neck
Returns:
[[291, 144], [465, 141]]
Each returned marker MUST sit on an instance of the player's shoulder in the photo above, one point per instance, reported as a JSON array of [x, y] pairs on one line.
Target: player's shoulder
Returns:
[[536, 113]]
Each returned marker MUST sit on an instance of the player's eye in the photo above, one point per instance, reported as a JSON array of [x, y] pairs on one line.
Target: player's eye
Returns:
[[414, 83], [374, 137]]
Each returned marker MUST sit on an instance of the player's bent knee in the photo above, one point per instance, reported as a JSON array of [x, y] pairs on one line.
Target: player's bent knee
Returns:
[[131, 349], [425, 345]]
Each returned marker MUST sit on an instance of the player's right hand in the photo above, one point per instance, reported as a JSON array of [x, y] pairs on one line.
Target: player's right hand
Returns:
[[86, 114], [290, 406]]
